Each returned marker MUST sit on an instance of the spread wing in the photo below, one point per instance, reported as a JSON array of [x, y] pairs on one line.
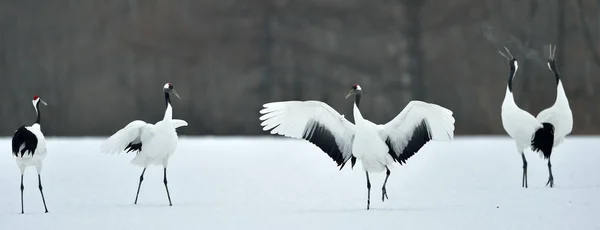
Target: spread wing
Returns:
[[313, 121], [128, 138], [418, 123]]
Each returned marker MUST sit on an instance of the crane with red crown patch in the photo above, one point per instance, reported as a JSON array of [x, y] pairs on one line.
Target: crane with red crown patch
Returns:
[[29, 148]]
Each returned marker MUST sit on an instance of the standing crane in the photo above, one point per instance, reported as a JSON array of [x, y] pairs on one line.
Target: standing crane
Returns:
[[524, 128], [376, 146], [154, 143]]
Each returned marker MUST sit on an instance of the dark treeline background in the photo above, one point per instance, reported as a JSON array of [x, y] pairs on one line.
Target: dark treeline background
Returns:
[[102, 63]]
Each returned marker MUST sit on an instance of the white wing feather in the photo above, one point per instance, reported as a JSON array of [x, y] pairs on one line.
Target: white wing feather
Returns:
[[131, 132], [399, 130], [134, 131], [178, 123], [303, 119]]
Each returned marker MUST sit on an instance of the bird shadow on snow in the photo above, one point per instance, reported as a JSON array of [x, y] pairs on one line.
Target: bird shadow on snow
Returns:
[[18, 214], [159, 205], [99, 208], [372, 209], [143, 205]]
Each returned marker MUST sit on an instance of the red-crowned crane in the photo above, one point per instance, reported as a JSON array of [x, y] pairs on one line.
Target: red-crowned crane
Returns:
[[29, 148], [524, 128], [559, 114], [376, 146], [154, 143]]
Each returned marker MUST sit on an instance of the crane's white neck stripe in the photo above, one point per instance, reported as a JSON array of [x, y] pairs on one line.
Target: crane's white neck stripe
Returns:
[[168, 112], [35, 102]]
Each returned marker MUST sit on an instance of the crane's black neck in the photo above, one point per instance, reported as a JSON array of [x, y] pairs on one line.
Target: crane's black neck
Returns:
[[513, 69], [167, 99], [555, 71], [357, 98], [37, 110]]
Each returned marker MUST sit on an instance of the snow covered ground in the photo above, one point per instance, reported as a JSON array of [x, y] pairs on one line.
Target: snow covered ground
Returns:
[[276, 183]]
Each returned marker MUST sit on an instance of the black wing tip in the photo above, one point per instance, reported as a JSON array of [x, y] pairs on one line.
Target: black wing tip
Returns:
[[319, 135], [421, 135], [133, 147], [352, 163], [543, 140]]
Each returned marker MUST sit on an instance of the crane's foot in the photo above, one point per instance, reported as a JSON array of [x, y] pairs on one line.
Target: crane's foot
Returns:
[[384, 194], [550, 181]]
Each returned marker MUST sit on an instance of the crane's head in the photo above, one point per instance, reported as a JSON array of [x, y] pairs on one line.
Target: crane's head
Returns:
[[551, 59], [355, 90], [36, 100], [168, 88]]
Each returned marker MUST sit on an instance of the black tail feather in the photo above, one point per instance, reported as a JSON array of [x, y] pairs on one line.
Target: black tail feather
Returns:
[[543, 140], [26, 139]]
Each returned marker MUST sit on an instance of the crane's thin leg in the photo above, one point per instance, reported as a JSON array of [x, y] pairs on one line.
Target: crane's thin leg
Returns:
[[41, 192], [524, 182], [22, 188], [550, 178], [167, 187], [368, 191], [383, 191], [139, 185]]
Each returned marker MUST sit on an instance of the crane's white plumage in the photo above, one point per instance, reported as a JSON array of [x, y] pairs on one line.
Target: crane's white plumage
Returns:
[[135, 131], [301, 119], [29, 149], [399, 130], [29, 158], [376, 146], [559, 115], [518, 123], [158, 141], [524, 128], [155, 143]]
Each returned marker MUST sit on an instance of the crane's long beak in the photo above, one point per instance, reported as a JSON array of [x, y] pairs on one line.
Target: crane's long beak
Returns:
[[175, 93], [43, 102], [352, 91]]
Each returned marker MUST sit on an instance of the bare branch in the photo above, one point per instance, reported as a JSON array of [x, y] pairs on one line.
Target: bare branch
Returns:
[[587, 34]]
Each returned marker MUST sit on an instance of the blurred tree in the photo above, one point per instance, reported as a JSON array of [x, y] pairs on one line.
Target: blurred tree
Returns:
[[100, 64], [413, 37], [591, 34]]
